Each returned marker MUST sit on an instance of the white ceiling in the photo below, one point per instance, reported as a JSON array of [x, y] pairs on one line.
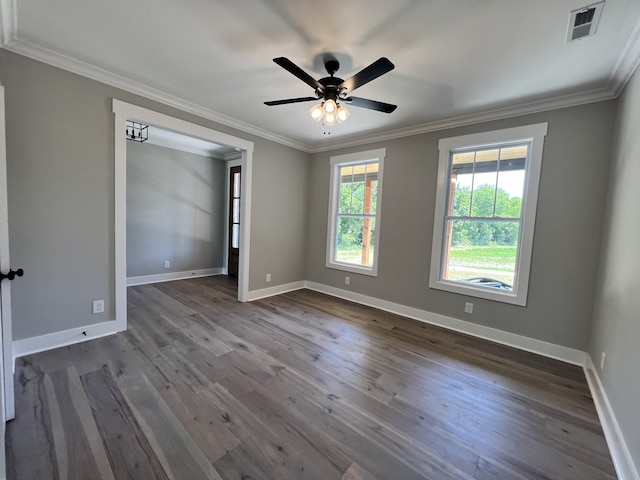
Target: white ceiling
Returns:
[[456, 61]]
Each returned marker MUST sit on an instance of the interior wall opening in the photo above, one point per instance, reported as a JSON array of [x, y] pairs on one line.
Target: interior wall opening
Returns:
[[237, 151]]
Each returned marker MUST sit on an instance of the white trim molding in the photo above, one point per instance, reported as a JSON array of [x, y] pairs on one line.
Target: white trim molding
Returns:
[[620, 454], [540, 347], [49, 341], [619, 77], [167, 277], [550, 350], [8, 21], [101, 75], [533, 137], [337, 162], [277, 290], [627, 63], [126, 111]]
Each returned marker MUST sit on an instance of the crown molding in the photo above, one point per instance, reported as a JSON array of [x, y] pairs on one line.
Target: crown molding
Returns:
[[8, 21], [555, 103], [84, 69], [625, 67], [627, 63]]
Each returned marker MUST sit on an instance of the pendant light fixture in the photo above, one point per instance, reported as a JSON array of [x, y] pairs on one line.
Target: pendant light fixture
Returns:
[[136, 131]]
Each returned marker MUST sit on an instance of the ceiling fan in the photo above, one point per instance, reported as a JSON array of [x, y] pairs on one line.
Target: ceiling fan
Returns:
[[332, 90]]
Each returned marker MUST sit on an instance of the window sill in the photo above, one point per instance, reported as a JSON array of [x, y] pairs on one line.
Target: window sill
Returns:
[[346, 267], [486, 293]]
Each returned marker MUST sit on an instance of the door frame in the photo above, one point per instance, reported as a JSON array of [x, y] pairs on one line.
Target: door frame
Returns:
[[124, 111]]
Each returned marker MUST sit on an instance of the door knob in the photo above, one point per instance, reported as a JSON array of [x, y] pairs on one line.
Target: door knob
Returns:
[[12, 274]]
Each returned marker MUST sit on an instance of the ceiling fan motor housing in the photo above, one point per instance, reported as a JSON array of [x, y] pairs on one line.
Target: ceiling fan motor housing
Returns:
[[331, 83], [331, 90]]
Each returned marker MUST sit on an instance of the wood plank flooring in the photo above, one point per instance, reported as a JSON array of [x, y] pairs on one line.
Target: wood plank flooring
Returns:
[[297, 386]]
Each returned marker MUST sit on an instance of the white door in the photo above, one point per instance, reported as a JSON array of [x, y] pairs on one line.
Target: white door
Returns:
[[6, 358], [7, 404]]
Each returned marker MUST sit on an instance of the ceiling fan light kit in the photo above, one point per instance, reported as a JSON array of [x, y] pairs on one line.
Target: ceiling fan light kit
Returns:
[[332, 90], [329, 112]]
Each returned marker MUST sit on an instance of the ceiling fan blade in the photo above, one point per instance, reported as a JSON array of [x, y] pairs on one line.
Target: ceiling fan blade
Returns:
[[370, 104], [291, 100], [373, 71], [291, 67]]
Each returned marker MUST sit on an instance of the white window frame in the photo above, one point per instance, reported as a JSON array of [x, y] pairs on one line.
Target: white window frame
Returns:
[[532, 134], [336, 162]]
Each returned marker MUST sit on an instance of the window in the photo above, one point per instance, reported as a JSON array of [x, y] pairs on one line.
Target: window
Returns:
[[485, 213], [354, 212]]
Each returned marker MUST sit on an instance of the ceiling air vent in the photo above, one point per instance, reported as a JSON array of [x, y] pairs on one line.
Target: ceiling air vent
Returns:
[[584, 21]]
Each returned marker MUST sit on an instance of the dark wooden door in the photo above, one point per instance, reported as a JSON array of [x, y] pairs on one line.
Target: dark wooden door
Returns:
[[234, 222]]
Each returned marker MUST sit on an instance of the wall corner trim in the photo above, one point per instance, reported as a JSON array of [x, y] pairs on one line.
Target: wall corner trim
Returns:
[[620, 454]]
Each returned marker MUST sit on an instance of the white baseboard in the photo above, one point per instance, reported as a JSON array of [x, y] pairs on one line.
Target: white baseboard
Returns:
[[558, 352], [50, 341], [620, 454], [277, 290], [166, 277]]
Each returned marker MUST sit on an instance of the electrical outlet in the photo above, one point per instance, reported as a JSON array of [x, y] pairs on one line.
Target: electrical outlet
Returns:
[[468, 307], [347, 280], [97, 306], [167, 264], [603, 360], [268, 277]]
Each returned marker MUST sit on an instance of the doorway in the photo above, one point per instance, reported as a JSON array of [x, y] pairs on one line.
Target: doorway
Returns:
[[124, 111]]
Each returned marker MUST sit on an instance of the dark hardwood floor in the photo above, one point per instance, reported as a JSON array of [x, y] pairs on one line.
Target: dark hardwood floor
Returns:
[[297, 386]]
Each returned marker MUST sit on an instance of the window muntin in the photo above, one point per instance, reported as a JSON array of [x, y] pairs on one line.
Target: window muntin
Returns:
[[485, 213], [356, 181]]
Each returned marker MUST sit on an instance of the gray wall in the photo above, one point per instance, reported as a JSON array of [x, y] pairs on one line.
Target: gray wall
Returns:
[[175, 210], [60, 171], [566, 243], [279, 220], [616, 326]]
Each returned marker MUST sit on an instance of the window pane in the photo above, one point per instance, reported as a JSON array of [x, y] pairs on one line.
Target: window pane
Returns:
[[370, 197], [355, 240], [236, 210], [235, 236], [488, 183], [509, 193], [346, 196], [236, 185], [358, 189], [481, 250], [461, 195], [484, 195]]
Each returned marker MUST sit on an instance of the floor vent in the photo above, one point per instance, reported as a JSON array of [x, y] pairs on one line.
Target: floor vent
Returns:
[[583, 22]]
